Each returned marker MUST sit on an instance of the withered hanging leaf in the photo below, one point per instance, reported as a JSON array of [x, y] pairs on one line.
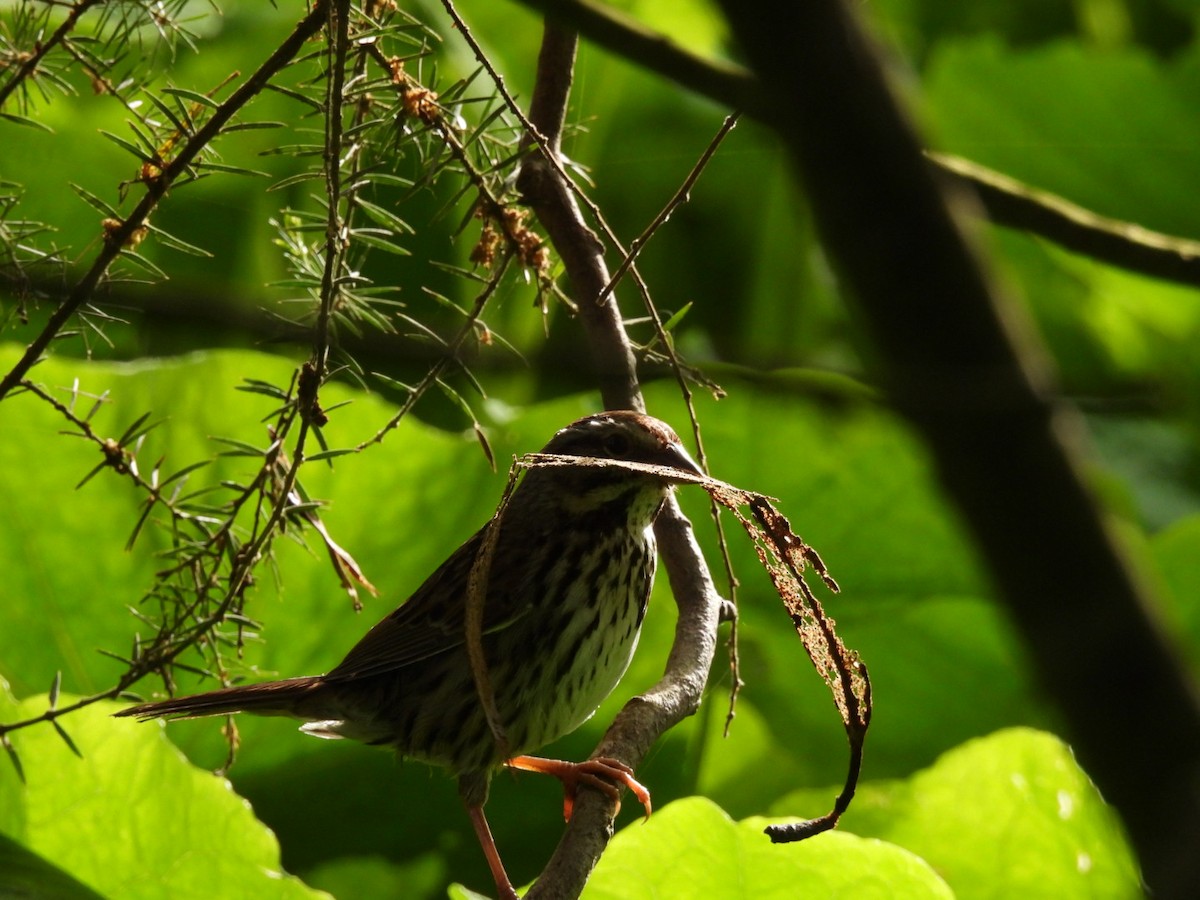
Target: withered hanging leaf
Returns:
[[785, 557], [347, 568]]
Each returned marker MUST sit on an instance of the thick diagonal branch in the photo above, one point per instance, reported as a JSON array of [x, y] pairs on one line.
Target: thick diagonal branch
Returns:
[[954, 364]]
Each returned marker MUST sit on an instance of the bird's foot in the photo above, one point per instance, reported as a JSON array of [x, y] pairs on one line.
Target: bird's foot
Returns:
[[603, 773]]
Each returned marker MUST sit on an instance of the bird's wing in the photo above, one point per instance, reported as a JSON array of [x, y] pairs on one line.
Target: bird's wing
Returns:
[[431, 622]]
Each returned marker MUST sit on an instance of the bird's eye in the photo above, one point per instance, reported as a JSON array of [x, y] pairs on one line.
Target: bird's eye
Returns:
[[616, 445]]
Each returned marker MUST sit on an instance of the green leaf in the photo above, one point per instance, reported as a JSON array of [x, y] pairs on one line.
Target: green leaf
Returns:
[[143, 263], [1009, 815], [676, 318], [182, 127], [167, 828], [691, 848], [136, 429], [24, 874], [95, 202], [129, 146], [389, 178], [231, 170], [298, 96], [383, 217], [1108, 109], [26, 121], [252, 126], [169, 240], [298, 178], [240, 448], [365, 236], [193, 96], [329, 454]]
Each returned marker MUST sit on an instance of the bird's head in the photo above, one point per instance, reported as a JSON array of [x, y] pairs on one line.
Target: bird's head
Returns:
[[622, 436]]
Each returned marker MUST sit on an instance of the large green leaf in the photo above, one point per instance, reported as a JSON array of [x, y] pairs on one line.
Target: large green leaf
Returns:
[[1115, 134], [130, 817], [26, 875], [1009, 815], [692, 848], [848, 475]]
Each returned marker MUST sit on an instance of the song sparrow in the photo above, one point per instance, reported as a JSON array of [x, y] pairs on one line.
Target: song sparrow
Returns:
[[567, 589]]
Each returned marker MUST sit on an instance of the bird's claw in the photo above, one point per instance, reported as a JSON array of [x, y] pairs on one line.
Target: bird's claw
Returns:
[[602, 773]]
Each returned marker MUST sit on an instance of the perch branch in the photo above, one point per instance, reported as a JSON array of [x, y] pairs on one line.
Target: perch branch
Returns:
[[644, 719]]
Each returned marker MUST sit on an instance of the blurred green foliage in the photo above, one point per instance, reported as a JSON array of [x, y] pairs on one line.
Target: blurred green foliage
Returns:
[[1092, 99]]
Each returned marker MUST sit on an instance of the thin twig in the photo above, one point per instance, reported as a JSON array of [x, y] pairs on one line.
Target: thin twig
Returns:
[[156, 188], [29, 66], [335, 238], [680, 197], [440, 364]]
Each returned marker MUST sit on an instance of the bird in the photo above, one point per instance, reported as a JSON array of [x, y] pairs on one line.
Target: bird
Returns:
[[570, 576]]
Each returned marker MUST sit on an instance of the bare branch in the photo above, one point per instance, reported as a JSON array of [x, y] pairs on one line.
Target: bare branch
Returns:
[[1013, 204], [974, 388], [678, 694], [552, 199], [156, 188], [1006, 201]]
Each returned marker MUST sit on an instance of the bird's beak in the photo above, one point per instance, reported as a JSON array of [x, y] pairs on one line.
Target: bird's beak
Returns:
[[676, 456]]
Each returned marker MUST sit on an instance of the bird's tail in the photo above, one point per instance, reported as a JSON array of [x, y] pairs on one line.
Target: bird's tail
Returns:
[[290, 697]]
